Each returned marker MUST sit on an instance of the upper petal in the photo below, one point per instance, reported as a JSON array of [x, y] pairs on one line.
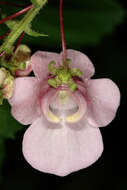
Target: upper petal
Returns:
[[81, 61], [61, 150], [104, 99], [24, 99], [40, 61]]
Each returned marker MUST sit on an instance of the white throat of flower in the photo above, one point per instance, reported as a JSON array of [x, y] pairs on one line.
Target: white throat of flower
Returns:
[[65, 107]]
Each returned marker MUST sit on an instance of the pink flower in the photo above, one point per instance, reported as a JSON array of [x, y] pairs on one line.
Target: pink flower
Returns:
[[64, 135]]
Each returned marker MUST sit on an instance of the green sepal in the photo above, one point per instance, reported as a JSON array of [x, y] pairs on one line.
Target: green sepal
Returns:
[[53, 83], [72, 86], [64, 76], [30, 32], [11, 23], [76, 72], [51, 68]]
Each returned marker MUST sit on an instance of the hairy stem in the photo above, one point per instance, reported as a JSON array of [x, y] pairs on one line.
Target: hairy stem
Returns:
[[19, 41], [19, 28]]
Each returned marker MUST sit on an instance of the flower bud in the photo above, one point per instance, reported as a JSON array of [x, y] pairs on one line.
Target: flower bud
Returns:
[[2, 75], [7, 85], [21, 59]]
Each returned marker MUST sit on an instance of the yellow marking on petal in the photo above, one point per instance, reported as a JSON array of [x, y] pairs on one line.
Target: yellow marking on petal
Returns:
[[53, 118], [73, 118]]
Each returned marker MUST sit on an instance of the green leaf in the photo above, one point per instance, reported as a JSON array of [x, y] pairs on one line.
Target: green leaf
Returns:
[[11, 23], [8, 125], [30, 32]]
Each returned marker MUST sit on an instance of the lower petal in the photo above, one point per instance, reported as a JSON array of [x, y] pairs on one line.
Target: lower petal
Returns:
[[61, 150]]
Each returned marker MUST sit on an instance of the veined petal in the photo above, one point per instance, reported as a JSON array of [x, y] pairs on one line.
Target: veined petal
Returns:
[[81, 61], [40, 61], [24, 89], [24, 100], [63, 150], [104, 99]]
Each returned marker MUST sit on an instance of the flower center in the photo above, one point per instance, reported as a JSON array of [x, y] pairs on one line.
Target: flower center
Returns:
[[65, 107], [63, 104]]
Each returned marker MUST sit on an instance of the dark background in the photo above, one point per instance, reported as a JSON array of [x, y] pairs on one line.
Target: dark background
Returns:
[[108, 53]]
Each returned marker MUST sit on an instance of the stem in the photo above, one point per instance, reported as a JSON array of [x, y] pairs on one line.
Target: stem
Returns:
[[10, 3], [62, 33], [16, 14], [4, 35], [19, 41], [19, 28]]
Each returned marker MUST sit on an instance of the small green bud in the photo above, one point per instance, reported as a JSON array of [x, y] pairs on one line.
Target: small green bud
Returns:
[[51, 67], [58, 81], [52, 82], [76, 72], [73, 86], [22, 53], [64, 76]]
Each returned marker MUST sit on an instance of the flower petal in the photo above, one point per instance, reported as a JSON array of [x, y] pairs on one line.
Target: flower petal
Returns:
[[61, 150], [40, 61], [81, 61], [24, 99], [104, 98]]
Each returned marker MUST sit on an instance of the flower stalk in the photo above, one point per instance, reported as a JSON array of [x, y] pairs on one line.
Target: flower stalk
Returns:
[[63, 35], [16, 14]]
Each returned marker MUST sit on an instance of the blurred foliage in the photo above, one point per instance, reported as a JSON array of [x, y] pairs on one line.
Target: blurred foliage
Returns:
[[85, 22]]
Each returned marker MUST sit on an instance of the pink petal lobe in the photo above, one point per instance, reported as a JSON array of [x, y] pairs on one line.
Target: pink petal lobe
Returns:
[[40, 61], [24, 99], [81, 61], [104, 98], [61, 150]]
